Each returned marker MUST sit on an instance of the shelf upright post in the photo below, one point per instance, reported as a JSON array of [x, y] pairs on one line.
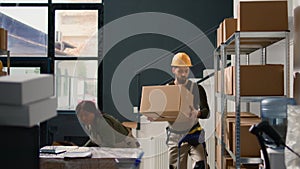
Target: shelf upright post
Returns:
[[237, 99], [8, 62], [216, 67], [287, 65], [264, 55], [223, 103], [247, 59], [248, 63]]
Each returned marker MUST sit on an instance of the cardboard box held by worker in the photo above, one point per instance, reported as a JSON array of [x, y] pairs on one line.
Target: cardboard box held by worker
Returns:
[[166, 103]]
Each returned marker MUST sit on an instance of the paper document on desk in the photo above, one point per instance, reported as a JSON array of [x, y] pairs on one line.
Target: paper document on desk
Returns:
[[80, 152], [65, 152], [106, 152], [56, 149]]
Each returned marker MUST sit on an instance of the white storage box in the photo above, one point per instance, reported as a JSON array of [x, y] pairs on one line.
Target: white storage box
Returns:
[[23, 89], [29, 114], [276, 158]]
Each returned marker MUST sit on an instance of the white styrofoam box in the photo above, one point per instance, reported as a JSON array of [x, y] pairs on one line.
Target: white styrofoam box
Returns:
[[207, 72], [150, 129], [276, 158], [23, 89], [29, 114]]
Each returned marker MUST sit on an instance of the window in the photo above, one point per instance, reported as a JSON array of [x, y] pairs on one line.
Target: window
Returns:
[[75, 81], [76, 33], [65, 45], [27, 30], [23, 70]]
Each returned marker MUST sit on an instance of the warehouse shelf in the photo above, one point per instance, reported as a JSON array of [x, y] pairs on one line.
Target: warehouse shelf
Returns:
[[252, 41], [244, 160], [247, 98], [238, 44]]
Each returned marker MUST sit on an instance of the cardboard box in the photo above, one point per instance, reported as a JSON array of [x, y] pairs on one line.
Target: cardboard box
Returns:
[[262, 16], [297, 88], [165, 103], [249, 144], [218, 155], [3, 39], [227, 81], [227, 160], [23, 89], [230, 115], [229, 27], [228, 135], [220, 35], [256, 80], [28, 115]]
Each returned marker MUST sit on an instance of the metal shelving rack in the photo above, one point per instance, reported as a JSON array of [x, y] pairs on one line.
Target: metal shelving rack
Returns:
[[244, 43], [7, 53]]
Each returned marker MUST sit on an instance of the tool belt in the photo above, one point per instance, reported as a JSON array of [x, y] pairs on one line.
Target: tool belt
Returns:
[[193, 136]]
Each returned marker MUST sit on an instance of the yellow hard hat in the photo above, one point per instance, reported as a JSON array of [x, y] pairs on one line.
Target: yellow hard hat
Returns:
[[181, 59]]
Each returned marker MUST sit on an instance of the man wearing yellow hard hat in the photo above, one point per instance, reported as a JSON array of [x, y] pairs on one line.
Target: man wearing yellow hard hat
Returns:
[[191, 139]]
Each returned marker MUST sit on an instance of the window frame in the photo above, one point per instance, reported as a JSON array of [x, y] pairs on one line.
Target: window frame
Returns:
[[51, 58]]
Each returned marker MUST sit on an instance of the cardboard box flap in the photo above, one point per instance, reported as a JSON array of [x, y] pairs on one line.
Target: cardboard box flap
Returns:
[[229, 27]]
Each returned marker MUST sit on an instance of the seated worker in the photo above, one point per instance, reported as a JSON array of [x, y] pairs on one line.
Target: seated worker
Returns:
[[103, 129]]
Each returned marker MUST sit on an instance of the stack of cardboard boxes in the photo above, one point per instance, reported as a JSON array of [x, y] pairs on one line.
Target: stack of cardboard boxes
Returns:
[[255, 80], [248, 142], [255, 16]]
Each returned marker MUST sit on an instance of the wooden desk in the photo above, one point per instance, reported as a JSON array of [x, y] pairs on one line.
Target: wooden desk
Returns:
[[102, 158]]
